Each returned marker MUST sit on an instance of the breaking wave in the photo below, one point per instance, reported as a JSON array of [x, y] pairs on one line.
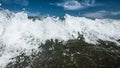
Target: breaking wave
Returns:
[[19, 34]]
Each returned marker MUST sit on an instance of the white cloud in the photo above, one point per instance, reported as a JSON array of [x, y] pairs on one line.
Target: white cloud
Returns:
[[0, 4], [70, 5], [101, 14], [75, 4], [115, 13], [98, 14], [88, 2]]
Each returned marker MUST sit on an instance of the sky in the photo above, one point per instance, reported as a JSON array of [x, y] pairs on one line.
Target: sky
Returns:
[[83, 8]]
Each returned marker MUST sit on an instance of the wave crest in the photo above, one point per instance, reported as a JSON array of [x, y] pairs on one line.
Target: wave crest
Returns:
[[18, 33]]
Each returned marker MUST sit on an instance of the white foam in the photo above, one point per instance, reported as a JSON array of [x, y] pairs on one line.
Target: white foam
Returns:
[[18, 33]]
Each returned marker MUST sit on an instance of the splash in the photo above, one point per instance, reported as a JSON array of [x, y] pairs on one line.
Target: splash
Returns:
[[20, 34]]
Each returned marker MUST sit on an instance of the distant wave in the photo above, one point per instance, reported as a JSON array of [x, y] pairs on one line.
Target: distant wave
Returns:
[[23, 34]]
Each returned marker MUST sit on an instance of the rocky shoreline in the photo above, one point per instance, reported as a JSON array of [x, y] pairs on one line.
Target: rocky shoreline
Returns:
[[71, 54]]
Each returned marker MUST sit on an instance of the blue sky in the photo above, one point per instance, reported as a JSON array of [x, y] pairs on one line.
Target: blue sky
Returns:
[[85, 8]]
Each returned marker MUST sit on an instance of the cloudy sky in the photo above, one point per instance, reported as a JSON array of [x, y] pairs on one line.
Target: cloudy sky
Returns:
[[86, 8]]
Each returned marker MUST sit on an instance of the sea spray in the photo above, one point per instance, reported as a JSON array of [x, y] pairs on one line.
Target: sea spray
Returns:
[[20, 34]]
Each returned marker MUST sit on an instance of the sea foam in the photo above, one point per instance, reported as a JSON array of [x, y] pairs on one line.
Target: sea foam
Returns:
[[20, 34]]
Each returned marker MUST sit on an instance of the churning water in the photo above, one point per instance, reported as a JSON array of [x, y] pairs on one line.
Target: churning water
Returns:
[[20, 34]]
